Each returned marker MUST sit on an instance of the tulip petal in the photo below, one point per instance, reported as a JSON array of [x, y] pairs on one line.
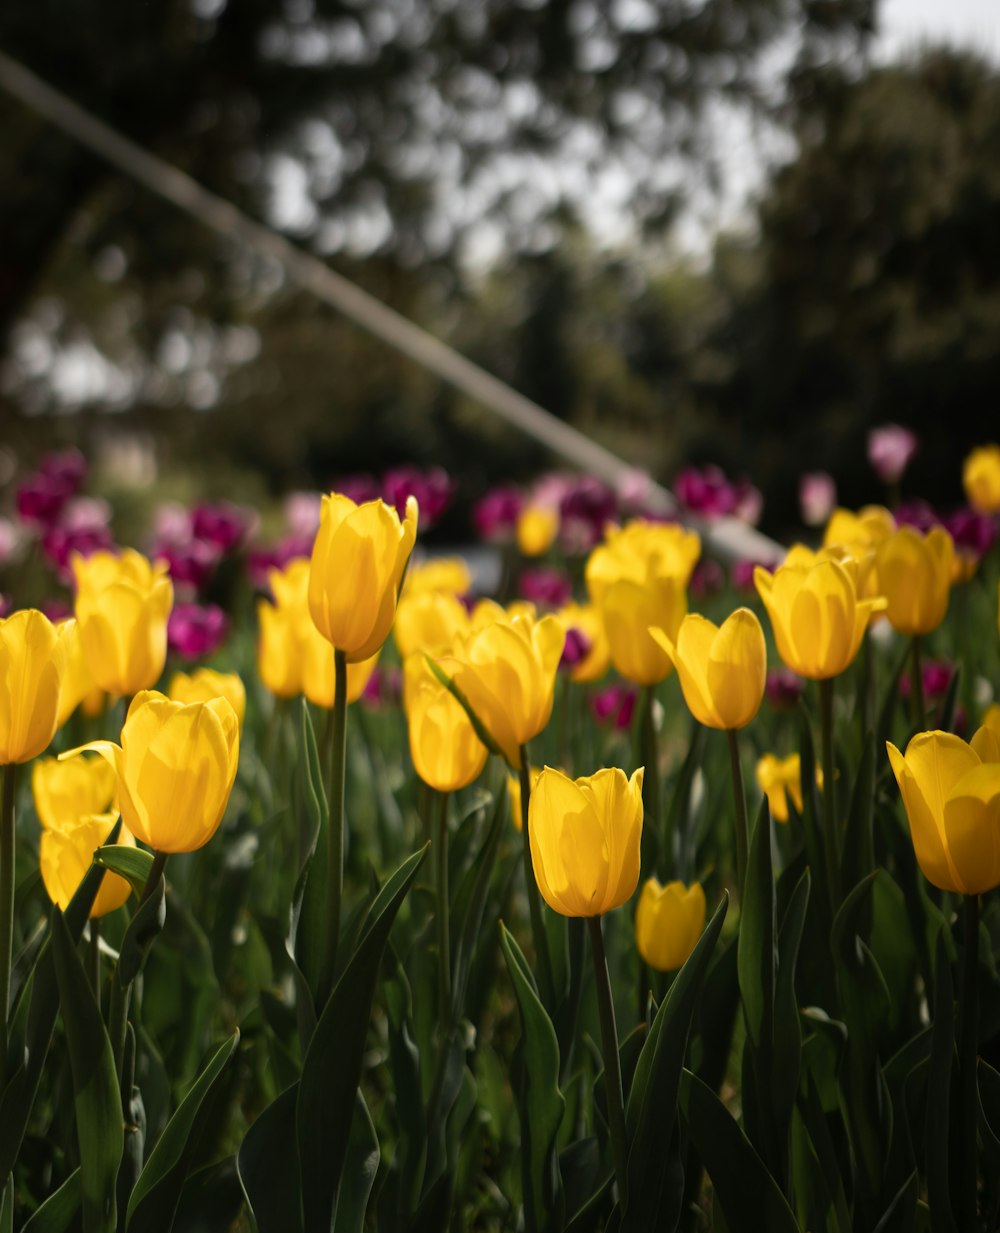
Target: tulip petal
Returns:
[[972, 824]]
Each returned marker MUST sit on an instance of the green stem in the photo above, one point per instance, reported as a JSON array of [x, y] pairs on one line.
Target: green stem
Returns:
[[651, 783], [968, 1029], [740, 800], [335, 834], [917, 702], [538, 934], [6, 907], [831, 839], [612, 1061], [94, 959], [444, 947]]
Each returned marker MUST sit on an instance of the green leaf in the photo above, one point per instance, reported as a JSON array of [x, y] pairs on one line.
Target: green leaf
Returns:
[[133, 864], [812, 833], [541, 1104], [211, 1199], [469, 903], [651, 1110], [363, 1157], [678, 811], [937, 1131], [989, 1112], [478, 726], [787, 1055], [308, 918], [901, 1214], [143, 930], [158, 1190], [331, 1069], [269, 1169], [747, 1194], [858, 857], [96, 1098], [58, 1212]]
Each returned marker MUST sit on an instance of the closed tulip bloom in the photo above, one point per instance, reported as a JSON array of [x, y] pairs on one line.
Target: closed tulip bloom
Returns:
[[318, 676], [447, 574], [356, 570], [951, 793], [641, 551], [596, 658], [914, 575], [859, 532], [779, 779], [668, 923], [66, 791], [446, 753], [514, 793], [427, 621], [66, 854], [279, 650], [629, 610], [31, 661], [176, 766], [981, 478], [122, 606], [537, 527], [722, 670], [585, 836], [507, 673], [816, 614], [206, 683], [78, 684]]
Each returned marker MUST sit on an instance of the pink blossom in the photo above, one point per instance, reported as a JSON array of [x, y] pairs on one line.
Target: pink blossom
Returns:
[[433, 488], [302, 513], [707, 491], [172, 523], [5, 605], [817, 498], [60, 542], [548, 588], [783, 687], [973, 532], [190, 564], [586, 508], [40, 499], [68, 468], [496, 514], [10, 541], [196, 630], [56, 610], [616, 705], [708, 578], [936, 675], [576, 648], [918, 514], [384, 688], [360, 488], [891, 448], [221, 523]]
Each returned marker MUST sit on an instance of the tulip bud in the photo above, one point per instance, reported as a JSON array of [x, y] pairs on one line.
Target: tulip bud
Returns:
[[779, 779], [514, 794], [446, 753], [176, 766], [356, 570], [448, 574], [31, 665], [914, 575], [722, 670], [205, 684], [64, 792], [981, 478], [279, 650], [668, 923], [594, 656], [122, 606], [66, 854], [78, 684], [537, 527], [951, 793], [427, 621], [584, 837]]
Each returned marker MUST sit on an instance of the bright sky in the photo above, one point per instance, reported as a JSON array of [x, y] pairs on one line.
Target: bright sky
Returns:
[[969, 23]]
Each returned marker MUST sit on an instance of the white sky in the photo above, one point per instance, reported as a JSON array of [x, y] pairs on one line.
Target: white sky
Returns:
[[969, 23]]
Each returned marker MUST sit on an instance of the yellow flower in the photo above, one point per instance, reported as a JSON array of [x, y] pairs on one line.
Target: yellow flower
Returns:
[[318, 676], [597, 658], [951, 792], [514, 792], [78, 684], [859, 532], [722, 670], [279, 650], [31, 661], [356, 570], [537, 527], [65, 855], [507, 673], [427, 621], [176, 765], [446, 753], [981, 478], [122, 606], [204, 684], [914, 574], [816, 614], [668, 923], [584, 837], [641, 551], [629, 610], [66, 791], [447, 574], [779, 779]]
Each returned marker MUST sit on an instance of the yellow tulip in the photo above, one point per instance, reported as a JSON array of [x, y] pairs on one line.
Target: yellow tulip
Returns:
[[279, 650], [514, 793], [446, 574], [78, 684], [914, 575], [122, 606], [981, 478], [816, 614], [951, 793], [537, 527], [722, 670], [427, 621], [629, 610], [66, 791], [507, 673], [446, 753], [204, 684], [641, 551], [585, 837], [66, 854], [779, 779], [31, 663], [318, 676], [668, 923], [597, 658], [859, 532], [356, 570], [176, 765]]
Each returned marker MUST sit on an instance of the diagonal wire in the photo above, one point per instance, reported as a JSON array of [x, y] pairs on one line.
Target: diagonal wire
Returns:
[[729, 538]]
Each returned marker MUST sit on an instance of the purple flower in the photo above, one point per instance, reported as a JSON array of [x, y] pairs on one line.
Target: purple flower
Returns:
[[708, 578], [496, 514], [936, 675], [817, 497], [196, 630], [40, 500], [616, 705], [548, 588], [360, 488], [59, 543], [5, 605], [917, 514], [384, 688], [262, 558], [172, 523], [68, 468], [707, 491], [973, 532], [585, 510], [890, 450], [741, 574], [576, 648], [56, 610], [191, 564], [302, 513], [433, 489], [634, 488], [783, 687], [223, 524]]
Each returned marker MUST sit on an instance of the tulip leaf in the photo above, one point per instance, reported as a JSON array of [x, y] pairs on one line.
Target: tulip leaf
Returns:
[[478, 726], [858, 856], [363, 1157], [747, 1194], [309, 899], [268, 1167], [541, 1104], [59, 1211], [901, 1214], [469, 902], [158, 1190], [680, 843], [811, 825], [143, 930], [211, 1200], [937, 1124], [331, 1069], [651, 1109], [787, 1055], [19, 1093], [7, 1207], [132, 864], [96, 1096]]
